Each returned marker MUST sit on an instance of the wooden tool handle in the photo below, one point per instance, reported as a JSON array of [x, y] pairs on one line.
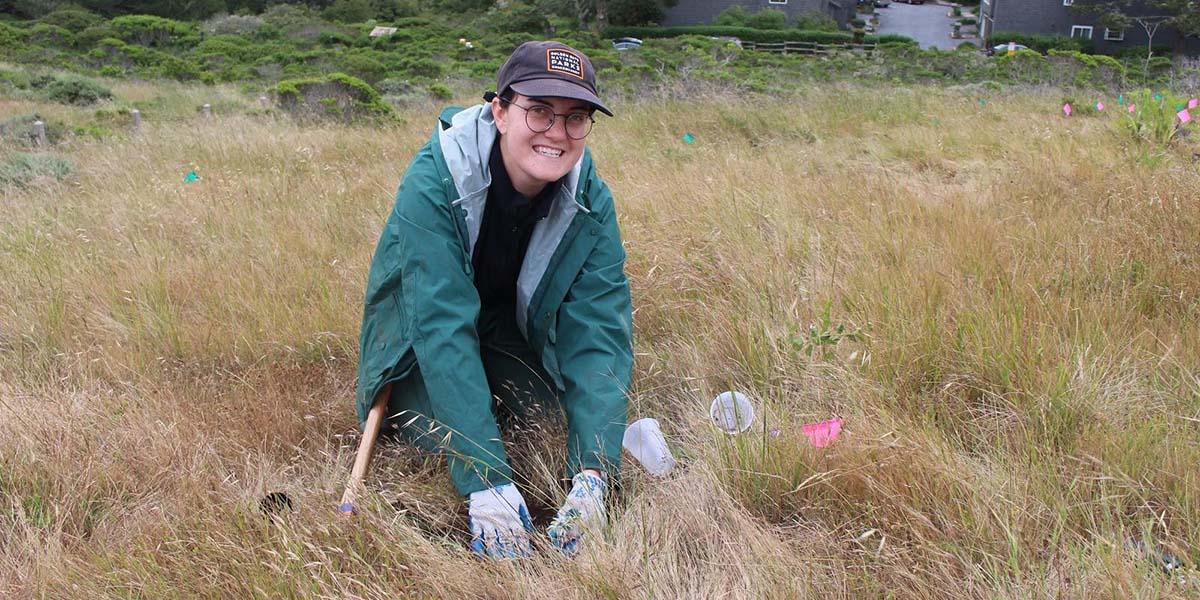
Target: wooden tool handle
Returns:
[[366, 446]]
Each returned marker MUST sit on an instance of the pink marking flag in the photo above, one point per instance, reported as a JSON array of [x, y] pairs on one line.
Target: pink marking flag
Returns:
[[1099, 106], [1184, 116], [1067, 109], [1132, 107], [824, 433], [1193, 103]]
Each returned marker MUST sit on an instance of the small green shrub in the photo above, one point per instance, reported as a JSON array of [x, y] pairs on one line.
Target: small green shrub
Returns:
[[19, 169], [242, 25], [89, 37], [815, 21], [734, 16], [894, 38], [155, 32], [440, 91], [72, 19], [363, 65], [1087, 70], [419, 67], [1154, 121], [45, 34], [337, 95], [11, 37], [335, 38], [768, 18], [77, 90], [18, 131], [17, 80], [397, 87]]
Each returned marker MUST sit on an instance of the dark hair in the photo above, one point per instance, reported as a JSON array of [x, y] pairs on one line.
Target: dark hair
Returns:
[[489, 96]]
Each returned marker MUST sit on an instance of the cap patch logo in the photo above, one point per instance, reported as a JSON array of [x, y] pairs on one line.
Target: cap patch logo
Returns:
[[563, 61]]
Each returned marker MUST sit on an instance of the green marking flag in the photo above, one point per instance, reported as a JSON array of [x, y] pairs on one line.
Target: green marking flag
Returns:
[[688, 138], [191, 176]]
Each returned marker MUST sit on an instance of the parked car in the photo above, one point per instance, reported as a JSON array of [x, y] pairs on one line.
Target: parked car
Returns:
[[626, 43], [1002, 49], [912, 1], [881, 3]]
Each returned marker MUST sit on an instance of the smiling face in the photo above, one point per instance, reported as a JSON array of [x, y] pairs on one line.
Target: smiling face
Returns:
[[536, 159]]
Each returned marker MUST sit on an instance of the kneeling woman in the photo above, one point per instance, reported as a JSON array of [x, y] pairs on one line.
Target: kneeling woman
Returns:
[[498, 284]]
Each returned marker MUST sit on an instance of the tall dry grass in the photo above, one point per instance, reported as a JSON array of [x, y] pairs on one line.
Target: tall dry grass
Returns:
[[1023, 397]]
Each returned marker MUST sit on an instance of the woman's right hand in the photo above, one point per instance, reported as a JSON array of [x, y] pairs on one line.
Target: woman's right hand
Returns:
[[500, 523]]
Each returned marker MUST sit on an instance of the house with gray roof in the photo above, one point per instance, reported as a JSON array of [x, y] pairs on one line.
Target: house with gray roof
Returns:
[[1057, 17], [702, 12]]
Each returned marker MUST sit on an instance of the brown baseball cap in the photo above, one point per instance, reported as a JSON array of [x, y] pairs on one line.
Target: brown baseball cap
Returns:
[[550, 69]]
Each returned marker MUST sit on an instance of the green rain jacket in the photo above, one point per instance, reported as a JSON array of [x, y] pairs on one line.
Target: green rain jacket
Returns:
[[573, 302]]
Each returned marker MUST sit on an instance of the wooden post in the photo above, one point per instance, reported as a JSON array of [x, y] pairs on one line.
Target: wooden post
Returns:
[[137, 120], [206, 111], [39, 134]]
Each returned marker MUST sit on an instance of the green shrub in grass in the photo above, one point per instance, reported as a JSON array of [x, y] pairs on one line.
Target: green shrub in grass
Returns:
[[19, 169], [76, 90]]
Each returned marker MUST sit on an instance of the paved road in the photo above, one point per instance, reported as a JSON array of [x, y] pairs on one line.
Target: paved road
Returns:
[[926, 23]]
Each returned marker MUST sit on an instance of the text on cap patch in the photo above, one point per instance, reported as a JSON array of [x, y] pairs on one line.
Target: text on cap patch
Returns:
[[565, 62]]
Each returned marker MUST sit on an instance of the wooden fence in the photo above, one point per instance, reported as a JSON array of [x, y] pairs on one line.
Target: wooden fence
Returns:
[[806, 47]]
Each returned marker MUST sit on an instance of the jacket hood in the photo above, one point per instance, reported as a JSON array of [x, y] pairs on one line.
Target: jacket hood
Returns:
[[466, 147]]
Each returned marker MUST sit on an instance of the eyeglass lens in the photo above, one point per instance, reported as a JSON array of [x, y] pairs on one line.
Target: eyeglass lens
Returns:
[[541, 119]]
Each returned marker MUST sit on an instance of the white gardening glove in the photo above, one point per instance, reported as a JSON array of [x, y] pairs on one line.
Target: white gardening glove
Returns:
[[583, 510], [500, 524]]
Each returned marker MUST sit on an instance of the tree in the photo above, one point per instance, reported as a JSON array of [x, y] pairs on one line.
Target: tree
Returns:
[[1150, 15]]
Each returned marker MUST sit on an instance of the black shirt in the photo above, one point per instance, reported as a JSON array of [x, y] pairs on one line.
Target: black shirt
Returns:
[[508, 221]]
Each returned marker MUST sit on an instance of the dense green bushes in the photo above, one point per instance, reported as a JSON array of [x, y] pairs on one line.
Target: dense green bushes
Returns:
[[11, 37], [156, 32], [424, 54]]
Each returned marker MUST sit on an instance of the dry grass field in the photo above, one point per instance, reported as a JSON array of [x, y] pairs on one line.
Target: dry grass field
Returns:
[[1021, 397]]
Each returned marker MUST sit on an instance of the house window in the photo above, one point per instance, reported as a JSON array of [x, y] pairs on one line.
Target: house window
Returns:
[[1081, 31], [1114, 35], [1068, 2], [776, 1]]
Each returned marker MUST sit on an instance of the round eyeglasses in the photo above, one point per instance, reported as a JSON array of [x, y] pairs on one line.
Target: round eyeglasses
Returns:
[[540, 119]]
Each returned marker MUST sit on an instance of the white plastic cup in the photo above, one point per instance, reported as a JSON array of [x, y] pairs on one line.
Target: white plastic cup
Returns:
[[732, 412], [644, 440]]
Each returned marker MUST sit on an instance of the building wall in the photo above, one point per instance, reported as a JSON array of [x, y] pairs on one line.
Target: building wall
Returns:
[[1050, 17], [702, 12]]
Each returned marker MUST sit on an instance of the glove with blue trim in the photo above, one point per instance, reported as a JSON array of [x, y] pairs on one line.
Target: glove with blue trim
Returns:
[[583, 511], [500, 523]]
